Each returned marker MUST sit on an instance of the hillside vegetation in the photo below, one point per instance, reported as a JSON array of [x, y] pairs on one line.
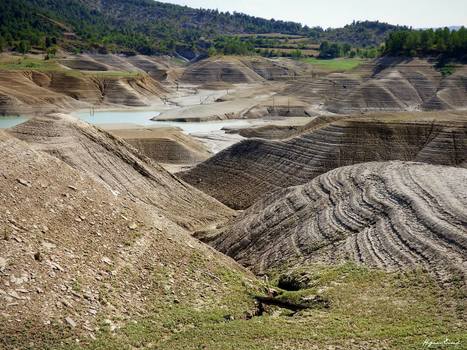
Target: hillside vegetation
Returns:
[[444, 42], [150, 27], [144, 26]]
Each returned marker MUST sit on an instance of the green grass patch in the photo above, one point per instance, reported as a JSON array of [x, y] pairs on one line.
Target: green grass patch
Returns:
[[369, 309], [335, 65], [447, 69], [28, 63]]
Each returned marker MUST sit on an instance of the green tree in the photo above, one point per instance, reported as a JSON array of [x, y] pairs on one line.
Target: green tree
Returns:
[[427, 40], [346, 48], [442, 42], [23, 46], [212, 51], [296, 54], [51, 52]]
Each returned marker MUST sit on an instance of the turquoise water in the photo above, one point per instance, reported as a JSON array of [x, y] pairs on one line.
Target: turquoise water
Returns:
[[115, 117], [8, 122], [139, 118]]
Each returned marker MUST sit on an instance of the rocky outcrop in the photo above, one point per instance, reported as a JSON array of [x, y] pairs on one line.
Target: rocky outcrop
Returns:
[[241, 174], [390, 215], [122, 169]]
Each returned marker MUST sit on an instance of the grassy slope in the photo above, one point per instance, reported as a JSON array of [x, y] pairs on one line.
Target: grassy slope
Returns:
[[337, 65], [369, 309]]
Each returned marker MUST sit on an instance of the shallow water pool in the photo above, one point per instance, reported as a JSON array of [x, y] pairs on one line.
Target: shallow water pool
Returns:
[[139, 118], [10, 121]]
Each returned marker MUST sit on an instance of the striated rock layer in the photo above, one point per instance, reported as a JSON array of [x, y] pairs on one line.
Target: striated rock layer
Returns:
[[241, 174], [32, 92], [236, 70], [165, 145], [120, 167], [387, 84], [389, 215]]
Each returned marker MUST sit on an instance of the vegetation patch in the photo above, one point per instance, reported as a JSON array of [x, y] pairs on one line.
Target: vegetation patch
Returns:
[[27, 63], [337, 65], [349, 306], [446, 69]]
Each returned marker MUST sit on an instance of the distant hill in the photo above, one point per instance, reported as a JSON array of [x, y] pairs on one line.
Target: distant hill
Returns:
[[361, 34], [143, 26], [148, 27]]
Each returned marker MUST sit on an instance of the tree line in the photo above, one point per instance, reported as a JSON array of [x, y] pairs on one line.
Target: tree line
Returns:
[[440, 42], [150, 27], [146, 26], [329, 50]]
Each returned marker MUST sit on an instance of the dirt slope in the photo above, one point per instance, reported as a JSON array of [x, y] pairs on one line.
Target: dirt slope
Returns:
[[235, 70], [32, 92], [159, 68], [28, 93], [77, 261], [388, 215], [120, 168], [388, 84], [165, 145], [239, 175]]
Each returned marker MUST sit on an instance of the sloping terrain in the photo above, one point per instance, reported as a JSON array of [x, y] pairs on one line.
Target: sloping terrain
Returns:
[[241, 174], [389, 84], [120, 168], [78, 262], [165, 145], [158, 68], [388, 215], [33, 92], [220, 69], [236, 70], [27, 92], [81, 268]]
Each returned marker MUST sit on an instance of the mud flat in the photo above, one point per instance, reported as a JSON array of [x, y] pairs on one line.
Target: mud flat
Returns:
[[208, 105]]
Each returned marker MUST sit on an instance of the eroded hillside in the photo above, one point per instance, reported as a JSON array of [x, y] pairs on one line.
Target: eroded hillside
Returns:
[[391, 215], [241, 174], [77, 261], [387, 84], [122, 169]]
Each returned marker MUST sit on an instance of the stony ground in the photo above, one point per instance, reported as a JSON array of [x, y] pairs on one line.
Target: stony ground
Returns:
[[76, 259]]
